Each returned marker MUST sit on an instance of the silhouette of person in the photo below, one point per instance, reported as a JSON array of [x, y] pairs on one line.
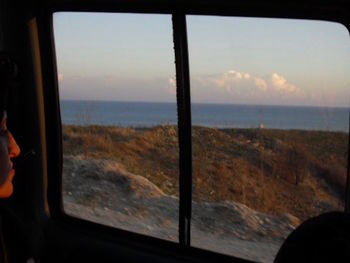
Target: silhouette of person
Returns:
[[8, 150], [8, 146], [321, 239]]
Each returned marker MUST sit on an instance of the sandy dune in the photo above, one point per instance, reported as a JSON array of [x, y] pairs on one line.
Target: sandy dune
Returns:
[[104, 192]]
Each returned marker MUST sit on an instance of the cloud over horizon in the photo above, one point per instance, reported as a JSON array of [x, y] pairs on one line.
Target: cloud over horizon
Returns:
[[280, 83], [171, 86], [231, 86], [60, 77], [239, 86], [233, 80], [230, 79]]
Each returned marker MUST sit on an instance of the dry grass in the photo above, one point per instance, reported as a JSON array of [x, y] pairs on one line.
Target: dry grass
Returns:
[[276, 171]]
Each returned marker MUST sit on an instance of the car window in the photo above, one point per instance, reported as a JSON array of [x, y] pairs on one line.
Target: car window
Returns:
[[116, 78], [270, 115], [270, 120]]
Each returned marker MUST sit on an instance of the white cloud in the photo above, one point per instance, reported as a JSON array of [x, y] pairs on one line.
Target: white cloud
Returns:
[[172, 86], [280, 83], [236, 75], [60, 77], [231, 80], [236, 82], [261, 84], [234, 86]]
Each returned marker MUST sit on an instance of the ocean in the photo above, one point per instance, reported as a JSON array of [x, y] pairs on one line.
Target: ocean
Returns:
[[148, 114]]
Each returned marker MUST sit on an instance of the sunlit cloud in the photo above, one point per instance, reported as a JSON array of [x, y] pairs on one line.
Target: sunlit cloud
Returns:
[[171, 86], [231, 79], [235, 86], [260, 84], [234, 81], [237, 75], [60, 77], [280, 83]]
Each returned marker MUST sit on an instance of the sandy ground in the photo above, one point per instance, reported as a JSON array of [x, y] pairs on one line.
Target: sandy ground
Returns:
[[104, 192]]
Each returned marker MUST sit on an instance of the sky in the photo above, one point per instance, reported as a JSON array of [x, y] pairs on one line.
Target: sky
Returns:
[[233, 60]]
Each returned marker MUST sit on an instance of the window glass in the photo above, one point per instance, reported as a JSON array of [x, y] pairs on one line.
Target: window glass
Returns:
[[270, 113], [116, 79]]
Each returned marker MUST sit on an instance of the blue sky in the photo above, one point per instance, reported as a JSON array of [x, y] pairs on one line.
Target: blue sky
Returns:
[[129, 57]]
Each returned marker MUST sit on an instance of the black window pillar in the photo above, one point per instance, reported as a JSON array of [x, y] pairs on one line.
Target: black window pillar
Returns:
[[184, 126]]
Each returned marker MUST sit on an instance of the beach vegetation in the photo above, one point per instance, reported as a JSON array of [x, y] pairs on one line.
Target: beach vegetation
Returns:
[[299, 172]]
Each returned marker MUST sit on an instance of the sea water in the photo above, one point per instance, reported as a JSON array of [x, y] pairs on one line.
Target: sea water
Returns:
[[148, 114]]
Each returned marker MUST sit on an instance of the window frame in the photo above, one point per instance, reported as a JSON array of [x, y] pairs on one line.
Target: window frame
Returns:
[[318, 10]]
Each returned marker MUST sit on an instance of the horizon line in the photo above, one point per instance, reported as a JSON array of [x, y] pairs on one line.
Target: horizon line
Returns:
[[208, 103]]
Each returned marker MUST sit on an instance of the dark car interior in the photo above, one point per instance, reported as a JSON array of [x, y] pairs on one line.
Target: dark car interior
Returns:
[[34, 222]]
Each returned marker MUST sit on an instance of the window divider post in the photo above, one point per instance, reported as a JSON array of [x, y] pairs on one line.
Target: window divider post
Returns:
[[184, 126]]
